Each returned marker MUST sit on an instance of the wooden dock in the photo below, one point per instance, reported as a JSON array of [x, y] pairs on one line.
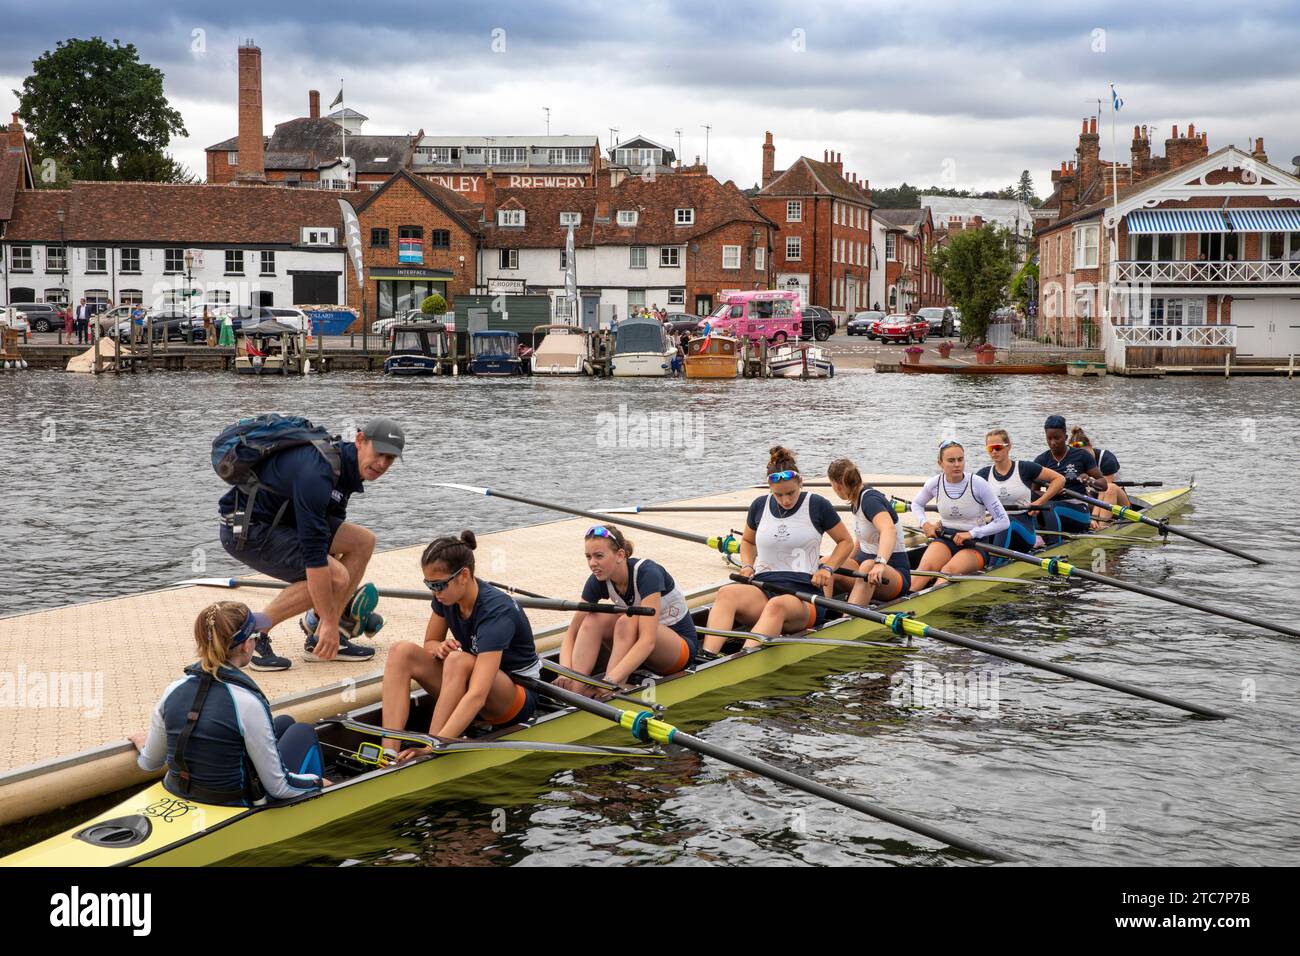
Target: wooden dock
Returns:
[[75, 680]]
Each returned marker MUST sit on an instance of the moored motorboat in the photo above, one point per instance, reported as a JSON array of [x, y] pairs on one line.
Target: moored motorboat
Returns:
[[800, 361], [713, 356], [563, 350], [495, 353], [416, 348], [642, 348], [269, 348]]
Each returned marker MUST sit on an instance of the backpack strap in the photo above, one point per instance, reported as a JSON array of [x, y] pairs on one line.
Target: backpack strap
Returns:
[[327, 449], [182, 769]]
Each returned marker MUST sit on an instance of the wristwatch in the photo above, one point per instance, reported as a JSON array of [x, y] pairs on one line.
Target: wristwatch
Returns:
[[826, 567]]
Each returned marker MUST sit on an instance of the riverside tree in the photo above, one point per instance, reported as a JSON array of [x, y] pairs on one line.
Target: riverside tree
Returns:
[[100, 113], [976, 266]]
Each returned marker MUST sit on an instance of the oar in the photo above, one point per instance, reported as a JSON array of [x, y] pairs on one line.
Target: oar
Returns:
[[645, 727], [1164, 527], [1064, 569], [511, 589], [441, 745], [1100, 537], [686, 509], [540, 604], [726, 545], [904, 624], [614, 690], [903, 506], [795, 639]]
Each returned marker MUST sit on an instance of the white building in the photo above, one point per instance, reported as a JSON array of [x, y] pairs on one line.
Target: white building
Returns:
[[956, 211]]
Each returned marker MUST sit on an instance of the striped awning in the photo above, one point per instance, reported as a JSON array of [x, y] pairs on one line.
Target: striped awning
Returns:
[[1264, 220], [1143, 221]]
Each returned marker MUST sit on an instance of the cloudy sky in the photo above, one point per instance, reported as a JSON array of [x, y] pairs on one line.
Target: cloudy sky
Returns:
[[963, 94]]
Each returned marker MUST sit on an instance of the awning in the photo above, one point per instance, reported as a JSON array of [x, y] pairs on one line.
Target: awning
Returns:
[[1144, 221], [1264, 220]]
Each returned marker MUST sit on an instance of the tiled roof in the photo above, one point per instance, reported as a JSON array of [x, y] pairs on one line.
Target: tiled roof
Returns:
[[807, 177], [468, 213], [11, 176], [900, 218], [173, 213], [306, 144], [229, 145]]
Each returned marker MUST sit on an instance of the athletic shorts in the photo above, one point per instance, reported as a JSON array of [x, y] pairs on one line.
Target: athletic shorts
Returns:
[[1064, 518], [817, 614], [897, 561], [1024, 535], [520, 709], [685, 629], [989, 561], [275, 552]]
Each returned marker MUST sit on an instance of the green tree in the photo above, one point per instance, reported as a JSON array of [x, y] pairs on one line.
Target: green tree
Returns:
[[1025, 188], [975, 266], [101, 112], [434, 305], [1024, 286]]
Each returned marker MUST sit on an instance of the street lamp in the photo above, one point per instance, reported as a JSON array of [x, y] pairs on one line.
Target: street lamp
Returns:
[[63, 271]]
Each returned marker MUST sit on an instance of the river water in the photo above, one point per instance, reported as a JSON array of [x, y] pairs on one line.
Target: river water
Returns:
[[108, 490]]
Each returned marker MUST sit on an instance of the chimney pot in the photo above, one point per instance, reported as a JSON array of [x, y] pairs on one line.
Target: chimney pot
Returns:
[[1191, 130], [768, 138], [1085, 125], [1175, 132], [313, 104], [1092, 126]]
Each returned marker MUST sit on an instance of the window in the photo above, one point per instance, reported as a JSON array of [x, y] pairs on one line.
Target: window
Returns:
[[510, 217], [55, 296], [410, 244], [891, 246], [317, 236], [265, 298], [627, 217], [97, 259], [564, 259], [509, 258], [1060, 255], [684, 217], [97, 296], [232, 158], [438, 154], [570, 219], [677, 297], [173, 260], [670, 257], [794, 210], [1153, 248], [567, 156], [268, 262], [56, 259], [1085, 247], [635, 299], [636, 257], [506, 155], [760, 258], [378, 238], [731, 257], [130, 260], [641, 156], [439, 239], [131, 297], [793, 247], [234, 262], [22, 259]]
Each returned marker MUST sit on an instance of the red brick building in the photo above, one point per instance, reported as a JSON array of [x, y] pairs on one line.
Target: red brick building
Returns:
[[910, 282], [823, 247]]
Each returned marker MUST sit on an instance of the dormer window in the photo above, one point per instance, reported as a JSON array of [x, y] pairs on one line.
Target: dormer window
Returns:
[[684, 217], [570, 219], [510, 217], [627, 217], [317, 236]]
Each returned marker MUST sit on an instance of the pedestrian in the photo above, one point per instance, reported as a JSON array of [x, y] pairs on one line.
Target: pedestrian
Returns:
[[82, 321], [67, 324], [287, 517], [209, 333]]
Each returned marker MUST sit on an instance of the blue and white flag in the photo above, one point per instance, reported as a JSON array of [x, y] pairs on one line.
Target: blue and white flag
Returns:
[[1115, 102]]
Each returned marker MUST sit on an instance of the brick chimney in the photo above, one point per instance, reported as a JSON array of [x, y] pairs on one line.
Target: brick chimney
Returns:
[[1140, 153], [489, 199], [1258, 153], [1089, 155], [1181, 150], [769, 159], [1065, 178], [13, 137], [252, 164], [838, 163], [604, 192], [313, 104]]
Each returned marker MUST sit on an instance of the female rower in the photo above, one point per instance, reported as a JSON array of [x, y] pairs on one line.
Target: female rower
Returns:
[[213, 728], [664, 643], [1080, 470], [963, 501], [468, 670], [782, 544], [880, 552], [1108, 465], [1012, 481]]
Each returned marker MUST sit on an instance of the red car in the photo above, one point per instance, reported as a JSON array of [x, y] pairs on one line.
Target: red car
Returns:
[[903, 328]]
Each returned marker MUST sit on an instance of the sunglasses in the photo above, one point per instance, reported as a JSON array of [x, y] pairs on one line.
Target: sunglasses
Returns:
[[949, 443], [600, 531], [776, 476], [437, 587], [1078, 444], [996, 448]]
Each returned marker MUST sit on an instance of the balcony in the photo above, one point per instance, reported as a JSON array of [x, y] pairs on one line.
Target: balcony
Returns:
[[1210, 273]]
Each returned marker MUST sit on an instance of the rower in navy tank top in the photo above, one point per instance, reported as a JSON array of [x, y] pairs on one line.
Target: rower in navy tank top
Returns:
[[1108, 465], [963, 501], [1013, 482], [664, 643], [1081, 476], [881, 552], [781, 544]]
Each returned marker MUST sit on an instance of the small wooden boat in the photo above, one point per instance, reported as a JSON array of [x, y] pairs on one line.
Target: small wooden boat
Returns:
[[563, 350], [417, 348], [642, 348], [713, 356], [269, 348], [800, 361], [495, 353], [983, 369]]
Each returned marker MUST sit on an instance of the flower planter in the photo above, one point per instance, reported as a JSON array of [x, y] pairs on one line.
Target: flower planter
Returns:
[[945, 349], [985, 354], [912, 355]]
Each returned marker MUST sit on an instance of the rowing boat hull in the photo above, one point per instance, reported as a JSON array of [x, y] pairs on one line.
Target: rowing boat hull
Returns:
[[192, 834]]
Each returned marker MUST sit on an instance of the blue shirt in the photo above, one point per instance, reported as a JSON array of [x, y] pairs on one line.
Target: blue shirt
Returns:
[[873, 502], [496, 623], [1029, 471], [820, 511], [1077, 461], [1108, 463], [654, 579], [317, 505]]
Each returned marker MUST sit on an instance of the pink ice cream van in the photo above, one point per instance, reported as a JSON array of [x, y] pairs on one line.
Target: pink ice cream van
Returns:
[[761, 314]]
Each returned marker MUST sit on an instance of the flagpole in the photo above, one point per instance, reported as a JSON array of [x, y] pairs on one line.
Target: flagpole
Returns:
[[1114, 179], [343, 108]]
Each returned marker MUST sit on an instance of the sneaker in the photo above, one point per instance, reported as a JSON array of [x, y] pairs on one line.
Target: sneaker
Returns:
[[308, 623], [363, 603], [348, 652], [374, 624], [264, 658]]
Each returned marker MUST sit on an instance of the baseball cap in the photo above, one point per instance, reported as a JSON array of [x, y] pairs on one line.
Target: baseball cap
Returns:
[[386, 435]]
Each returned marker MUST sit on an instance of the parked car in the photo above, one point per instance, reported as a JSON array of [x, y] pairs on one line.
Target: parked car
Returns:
[[240, 315], [903, 328], [939, 320], [41, 316], [818, 323], [762, 314], [864, 324], [172, 326], [294, 318], [12, 318], [679, 322], [109, 319]]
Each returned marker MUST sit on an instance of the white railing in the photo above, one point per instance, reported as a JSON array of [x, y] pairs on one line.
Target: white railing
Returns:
[[1187, 270], [1116, 339]]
